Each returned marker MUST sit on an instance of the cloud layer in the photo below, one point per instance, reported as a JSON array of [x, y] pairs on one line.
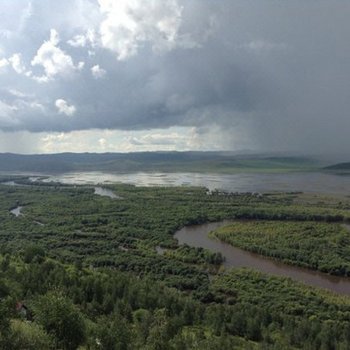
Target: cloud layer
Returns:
[[242, 74]]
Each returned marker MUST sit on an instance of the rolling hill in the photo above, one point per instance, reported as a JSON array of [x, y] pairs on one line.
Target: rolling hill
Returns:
[[214, 162]]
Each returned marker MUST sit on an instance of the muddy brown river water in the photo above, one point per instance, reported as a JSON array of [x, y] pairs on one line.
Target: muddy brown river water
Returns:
[[197, 236]]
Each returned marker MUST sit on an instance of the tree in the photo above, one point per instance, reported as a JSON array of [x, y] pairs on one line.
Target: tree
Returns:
[[59, 317], [158, 335], [33, 253], [5, 315], [29, 336], [112, 333]]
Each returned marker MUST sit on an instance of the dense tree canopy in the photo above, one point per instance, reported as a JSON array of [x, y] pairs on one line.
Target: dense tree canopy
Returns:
[[87, 270]]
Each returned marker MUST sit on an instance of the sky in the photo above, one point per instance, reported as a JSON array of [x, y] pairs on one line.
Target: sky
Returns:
[[148, 75]]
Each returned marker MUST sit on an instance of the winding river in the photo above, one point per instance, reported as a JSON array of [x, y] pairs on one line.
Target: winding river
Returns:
[[197, 236]]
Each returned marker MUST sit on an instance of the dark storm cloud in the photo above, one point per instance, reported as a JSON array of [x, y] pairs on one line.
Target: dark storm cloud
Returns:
[[278, 71]]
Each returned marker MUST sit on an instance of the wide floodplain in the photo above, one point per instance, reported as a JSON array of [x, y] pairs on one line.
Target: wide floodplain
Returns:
[[197, 235], [315, 182]]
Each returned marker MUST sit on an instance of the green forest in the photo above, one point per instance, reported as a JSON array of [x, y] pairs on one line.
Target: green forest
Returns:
[[317, 245], [82, 271]]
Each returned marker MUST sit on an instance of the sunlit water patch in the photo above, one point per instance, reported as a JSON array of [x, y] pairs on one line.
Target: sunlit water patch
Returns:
[[100, 191], [16, 211], [285, 182]]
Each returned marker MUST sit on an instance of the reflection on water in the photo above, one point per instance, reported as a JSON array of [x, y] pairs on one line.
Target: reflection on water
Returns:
[[105, 192], [160, 250], [305, 182], [39, 223], [16, 211], [9, 183], [197, 236]]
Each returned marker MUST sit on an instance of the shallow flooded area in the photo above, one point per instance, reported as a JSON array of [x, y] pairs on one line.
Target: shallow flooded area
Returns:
[[16, 211], [197, 236], [316, 182], [100, 191]]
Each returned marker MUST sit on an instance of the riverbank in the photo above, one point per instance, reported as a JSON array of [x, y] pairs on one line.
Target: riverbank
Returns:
[[197, 236]]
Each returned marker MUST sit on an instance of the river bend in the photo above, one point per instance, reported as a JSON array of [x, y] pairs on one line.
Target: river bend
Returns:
[[197, 236]]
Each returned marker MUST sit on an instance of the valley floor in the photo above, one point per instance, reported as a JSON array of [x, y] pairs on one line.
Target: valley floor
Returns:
[[85, 271]]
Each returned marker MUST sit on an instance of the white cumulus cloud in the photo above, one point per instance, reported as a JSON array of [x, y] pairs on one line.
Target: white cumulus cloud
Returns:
[[98, 72], [64, 108], [17, 64], [82, 40], [3, 64], [53, 59], [130, 23]]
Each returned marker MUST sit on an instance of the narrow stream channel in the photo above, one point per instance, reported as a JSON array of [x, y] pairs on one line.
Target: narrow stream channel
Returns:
[[197, 236]]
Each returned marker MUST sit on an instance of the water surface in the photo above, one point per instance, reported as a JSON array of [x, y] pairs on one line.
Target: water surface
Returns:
[[100, 191], [16, 211], [251, 182], [197, 236]]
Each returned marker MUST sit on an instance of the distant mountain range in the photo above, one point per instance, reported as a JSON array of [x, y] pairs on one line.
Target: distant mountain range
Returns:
[[220, 162], [339, 167]]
